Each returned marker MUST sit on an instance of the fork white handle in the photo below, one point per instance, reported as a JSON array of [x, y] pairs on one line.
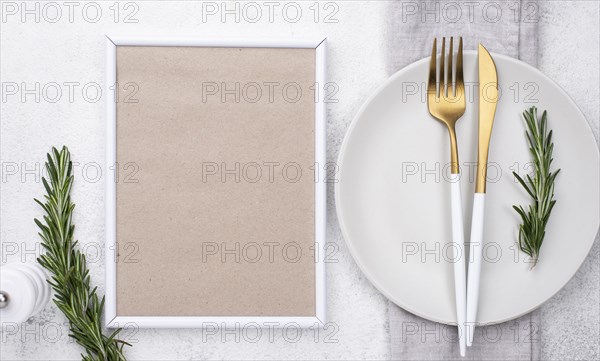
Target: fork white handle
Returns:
[[476, 258], [460, 277]]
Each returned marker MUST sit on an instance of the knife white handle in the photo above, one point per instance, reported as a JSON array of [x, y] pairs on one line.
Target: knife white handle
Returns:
[[475, 260], [458, 257]]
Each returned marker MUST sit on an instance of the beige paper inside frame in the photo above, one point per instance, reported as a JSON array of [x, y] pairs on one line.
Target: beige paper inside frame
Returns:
[[200, 232]]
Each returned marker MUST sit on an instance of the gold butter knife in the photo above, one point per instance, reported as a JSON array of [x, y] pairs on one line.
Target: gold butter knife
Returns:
[[488, 99]]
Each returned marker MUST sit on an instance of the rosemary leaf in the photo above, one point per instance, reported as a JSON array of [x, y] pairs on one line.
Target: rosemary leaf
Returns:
[[67, 265], [532, 230]]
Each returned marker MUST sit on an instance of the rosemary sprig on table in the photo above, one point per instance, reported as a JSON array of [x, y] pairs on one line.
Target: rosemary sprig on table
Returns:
[[70, 275], [541, 188]]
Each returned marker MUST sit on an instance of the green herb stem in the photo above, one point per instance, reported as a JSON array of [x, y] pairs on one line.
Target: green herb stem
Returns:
[[70, 275], [534, 219]]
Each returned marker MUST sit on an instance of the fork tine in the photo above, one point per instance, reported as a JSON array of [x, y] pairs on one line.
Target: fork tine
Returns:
[[459, 67], [450, 88], [431, 85], [442, 73]]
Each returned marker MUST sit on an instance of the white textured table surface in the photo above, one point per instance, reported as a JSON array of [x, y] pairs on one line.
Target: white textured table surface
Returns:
[[70, 52]]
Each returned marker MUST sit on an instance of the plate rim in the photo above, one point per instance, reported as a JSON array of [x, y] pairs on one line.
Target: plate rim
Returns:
[[340, 162]]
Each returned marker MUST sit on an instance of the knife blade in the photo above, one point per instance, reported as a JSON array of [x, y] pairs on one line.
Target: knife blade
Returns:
[[488, 99]]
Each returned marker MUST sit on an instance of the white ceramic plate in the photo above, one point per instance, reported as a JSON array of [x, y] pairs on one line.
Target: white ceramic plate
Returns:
[[393, 202]]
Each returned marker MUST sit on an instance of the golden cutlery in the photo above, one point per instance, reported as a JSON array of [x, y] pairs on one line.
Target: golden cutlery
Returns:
[[446, 103], [488, 99]]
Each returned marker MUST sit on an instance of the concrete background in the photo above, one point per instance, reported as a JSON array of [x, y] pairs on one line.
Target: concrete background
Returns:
[[70, 49]]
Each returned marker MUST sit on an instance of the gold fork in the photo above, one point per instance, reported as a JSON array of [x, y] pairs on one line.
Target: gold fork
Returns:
[[446, 103]]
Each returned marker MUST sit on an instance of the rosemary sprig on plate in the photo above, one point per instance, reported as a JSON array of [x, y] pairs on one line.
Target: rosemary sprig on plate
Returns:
[[70, 275], [541, 187]]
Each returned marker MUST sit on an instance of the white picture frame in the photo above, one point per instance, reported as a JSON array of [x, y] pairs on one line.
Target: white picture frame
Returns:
[[110, 309]]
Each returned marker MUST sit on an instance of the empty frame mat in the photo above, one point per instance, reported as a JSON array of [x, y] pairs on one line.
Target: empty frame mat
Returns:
[[217, 205]]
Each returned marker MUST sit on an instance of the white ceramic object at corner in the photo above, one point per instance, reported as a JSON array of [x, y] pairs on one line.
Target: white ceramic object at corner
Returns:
[[393, 197], [27, 290]]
